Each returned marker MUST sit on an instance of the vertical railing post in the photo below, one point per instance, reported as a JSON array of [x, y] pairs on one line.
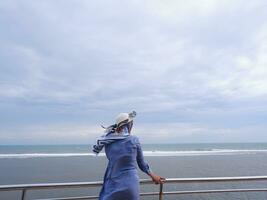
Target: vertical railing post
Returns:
[[160, 191], [23, 194]]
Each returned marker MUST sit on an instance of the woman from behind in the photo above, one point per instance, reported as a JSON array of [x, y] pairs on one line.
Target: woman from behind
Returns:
[[124, 153]]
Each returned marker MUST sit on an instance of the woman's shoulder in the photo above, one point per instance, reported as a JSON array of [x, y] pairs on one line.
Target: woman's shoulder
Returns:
[[134, 139]]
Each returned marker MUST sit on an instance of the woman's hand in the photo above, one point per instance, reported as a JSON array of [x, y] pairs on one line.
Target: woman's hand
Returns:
[[156, 179]]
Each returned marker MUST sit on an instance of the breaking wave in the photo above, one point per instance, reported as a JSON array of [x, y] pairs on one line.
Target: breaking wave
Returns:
[[146, 153]]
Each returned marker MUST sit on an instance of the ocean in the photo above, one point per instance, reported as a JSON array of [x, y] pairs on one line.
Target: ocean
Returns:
[[23, 164]]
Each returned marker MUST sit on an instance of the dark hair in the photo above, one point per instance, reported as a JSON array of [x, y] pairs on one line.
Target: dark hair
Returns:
[[128, 125]]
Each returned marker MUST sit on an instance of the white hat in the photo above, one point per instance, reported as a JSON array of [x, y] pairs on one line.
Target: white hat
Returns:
[[124, 118]]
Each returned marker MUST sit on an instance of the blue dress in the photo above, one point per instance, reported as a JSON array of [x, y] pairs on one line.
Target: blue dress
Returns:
[[121, 181]]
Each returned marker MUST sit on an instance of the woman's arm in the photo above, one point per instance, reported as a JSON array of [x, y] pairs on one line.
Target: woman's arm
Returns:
[[144, 166], [140, 159]]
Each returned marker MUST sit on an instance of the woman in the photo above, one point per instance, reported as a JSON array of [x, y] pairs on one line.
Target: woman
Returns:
[[121, 181]]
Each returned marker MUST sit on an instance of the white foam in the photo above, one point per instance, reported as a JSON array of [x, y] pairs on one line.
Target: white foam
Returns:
[[146, 153], [202, 153]]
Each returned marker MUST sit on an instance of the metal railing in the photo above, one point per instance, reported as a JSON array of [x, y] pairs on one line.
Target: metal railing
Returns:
[[26, 187]]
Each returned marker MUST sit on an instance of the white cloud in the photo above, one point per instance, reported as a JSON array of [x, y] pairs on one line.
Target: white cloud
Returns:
[[247, 74], [188, 57], [182, 10], [65, 133], [80, 133]]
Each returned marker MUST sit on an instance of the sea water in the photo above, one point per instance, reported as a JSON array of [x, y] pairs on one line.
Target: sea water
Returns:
[[23, 164], [23, 151]]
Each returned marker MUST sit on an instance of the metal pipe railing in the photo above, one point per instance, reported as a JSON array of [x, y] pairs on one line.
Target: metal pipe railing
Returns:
[[25, 187]]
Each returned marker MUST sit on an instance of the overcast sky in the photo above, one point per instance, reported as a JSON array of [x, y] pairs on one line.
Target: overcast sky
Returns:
[[195, 71]]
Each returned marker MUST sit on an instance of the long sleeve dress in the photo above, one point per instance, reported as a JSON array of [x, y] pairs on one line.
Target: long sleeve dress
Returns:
[[121, 181]]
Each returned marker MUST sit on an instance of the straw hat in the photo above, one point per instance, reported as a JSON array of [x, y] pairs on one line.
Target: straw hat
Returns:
[[125, 118]]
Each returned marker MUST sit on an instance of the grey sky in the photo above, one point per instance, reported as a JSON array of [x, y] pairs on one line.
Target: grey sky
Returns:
[[195, 71]]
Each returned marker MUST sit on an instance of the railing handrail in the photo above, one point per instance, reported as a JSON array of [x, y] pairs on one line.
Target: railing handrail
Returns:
[[142, 181], [50, 185], [39, 186]]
